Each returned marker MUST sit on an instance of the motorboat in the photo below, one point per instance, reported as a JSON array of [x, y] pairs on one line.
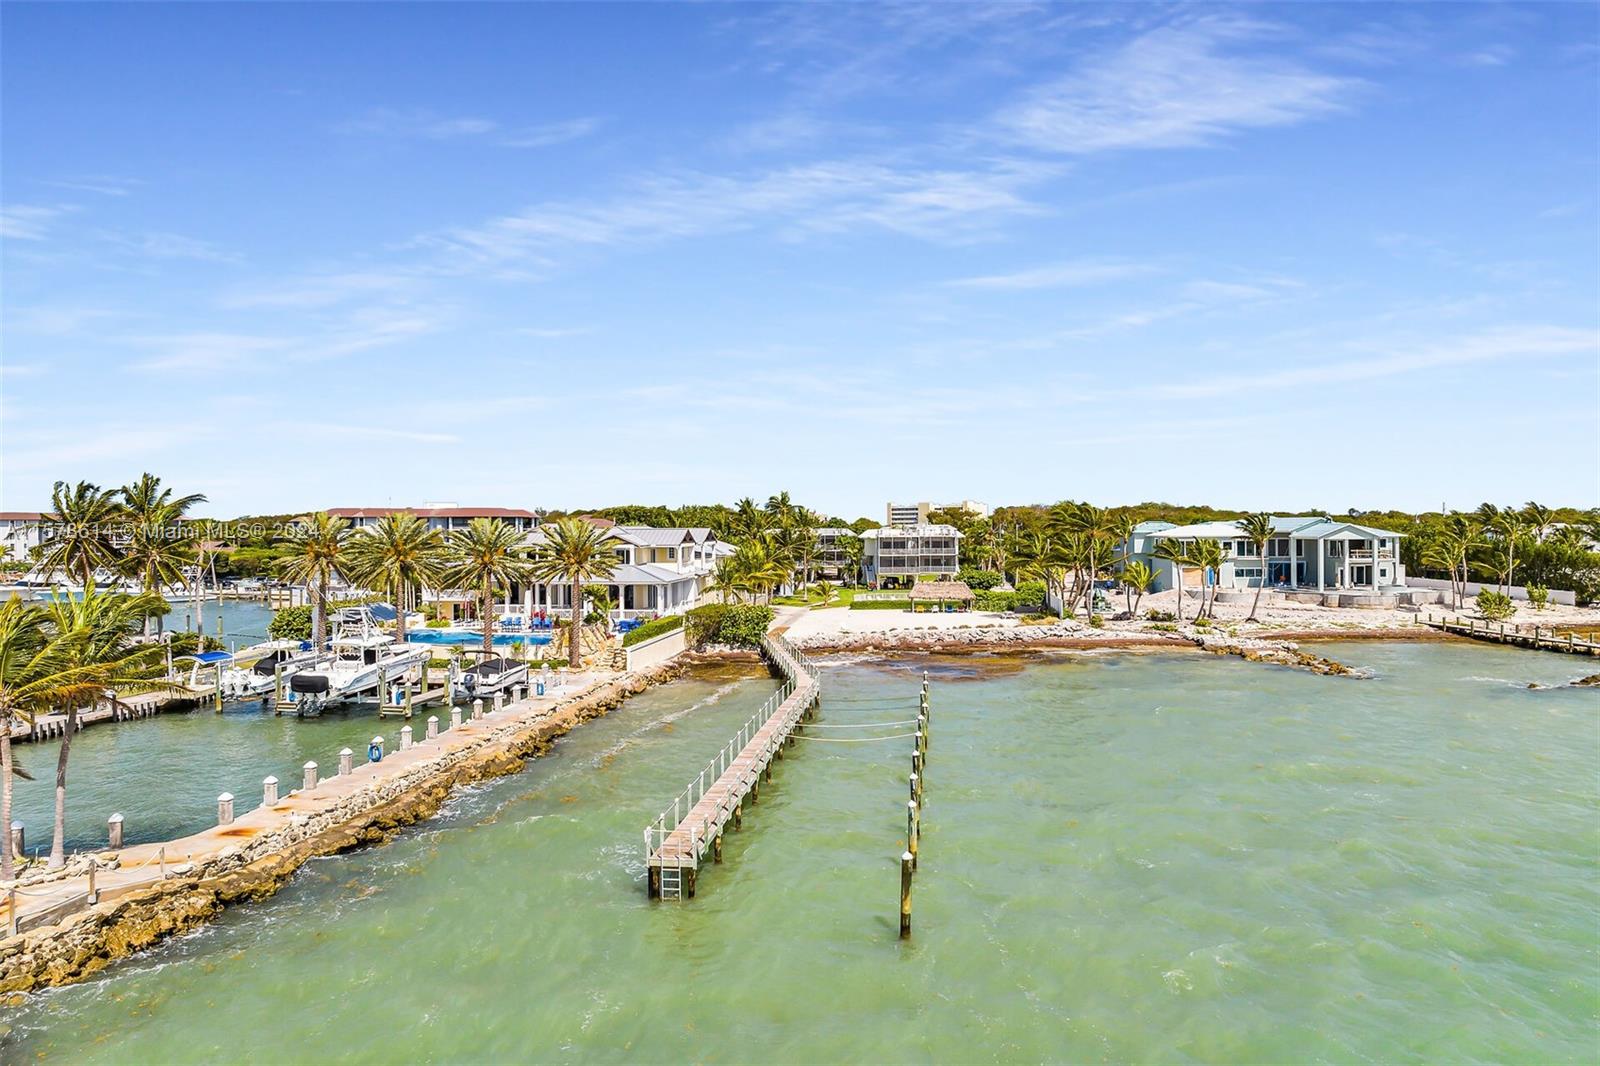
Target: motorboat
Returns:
[[486, 676], [362, 660], [256, 669]]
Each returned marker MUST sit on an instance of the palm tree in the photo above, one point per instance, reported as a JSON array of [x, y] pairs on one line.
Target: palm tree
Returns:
[[317, 555], [1208, 555], [780, 506], [1179, 555], [35, 675], [1258, 527], [81, 527], [747, 520], [96, 635], [825, 590], [725, 580], [1097, 528], [1137, 577], [574, 552], [158, 543], [395, 556], [1509, 528], [757, 566], [1539, 519], [1042, 557]]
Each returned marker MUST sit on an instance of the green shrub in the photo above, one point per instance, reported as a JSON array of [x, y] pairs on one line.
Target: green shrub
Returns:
[[1029, 595], [1160, 616], [1098, 621], [652, 629], [741, 625], [1539, 596], [1202, 622], [189, 643], [1495, 606], [436, 623], [291, 623], [1164, 627], [978, 580], [989, 600]]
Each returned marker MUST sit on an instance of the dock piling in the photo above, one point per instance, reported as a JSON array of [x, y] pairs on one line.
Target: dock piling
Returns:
[[433, 726], [310, 781], [347, 761], [269, 791], [225, 809], [114, 832], [477, 708], [405, 737], [18, 837], [93, 895], [912, 831], [905, 895], [455, 717]]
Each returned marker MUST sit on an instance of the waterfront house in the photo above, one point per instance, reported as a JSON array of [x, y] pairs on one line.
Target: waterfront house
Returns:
[[660, 571], [832, 559], [21, 532], [898, 555], [1308, 552]]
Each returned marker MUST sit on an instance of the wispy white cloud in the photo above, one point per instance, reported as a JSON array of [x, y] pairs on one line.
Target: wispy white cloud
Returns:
[[157, 245], [338, 430], [1179, 86], [428, 125], [103, 184], [1382, 361], [30, 222], [1059, 275], [318, 290], [203, 351], [552, 332], [933, 203]]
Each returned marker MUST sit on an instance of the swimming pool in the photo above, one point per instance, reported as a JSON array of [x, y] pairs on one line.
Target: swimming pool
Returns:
[[473, 636]]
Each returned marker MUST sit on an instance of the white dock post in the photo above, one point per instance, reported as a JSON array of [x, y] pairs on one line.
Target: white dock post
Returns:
[[375, 750], [114, 831], [433, 726], [906, 860], [405, 737], [455, 718], [477, 708], [225, 809], [18, 838], [310, 781], [269, 791], [347, 761], [499, 701]]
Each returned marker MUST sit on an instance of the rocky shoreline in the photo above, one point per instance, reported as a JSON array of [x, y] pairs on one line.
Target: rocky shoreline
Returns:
[[85, 942]]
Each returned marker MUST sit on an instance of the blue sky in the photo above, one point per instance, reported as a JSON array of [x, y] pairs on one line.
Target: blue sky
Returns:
[[296, 256]]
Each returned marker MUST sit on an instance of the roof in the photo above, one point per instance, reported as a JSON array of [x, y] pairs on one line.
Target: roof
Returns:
[[432, 512], [942, 590], [925, 529], [1307, 526], [642, 574], [1152, 527], [654, 536], [20, 516]]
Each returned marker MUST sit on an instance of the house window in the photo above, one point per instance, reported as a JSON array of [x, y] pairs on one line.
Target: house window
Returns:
[[1247, 571], [672, 553]]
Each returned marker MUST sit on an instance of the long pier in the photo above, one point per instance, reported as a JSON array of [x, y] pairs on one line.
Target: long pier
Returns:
[[1540, 638], [682, 836]]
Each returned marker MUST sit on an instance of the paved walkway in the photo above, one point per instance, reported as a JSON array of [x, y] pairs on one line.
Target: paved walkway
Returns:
[[141, 864]]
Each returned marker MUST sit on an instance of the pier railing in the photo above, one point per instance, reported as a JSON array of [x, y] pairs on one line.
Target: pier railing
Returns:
[[737, 766]]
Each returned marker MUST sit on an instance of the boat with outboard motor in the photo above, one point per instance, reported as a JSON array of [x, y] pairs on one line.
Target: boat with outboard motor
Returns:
[[362, 661], [256, 670], [486, 676]]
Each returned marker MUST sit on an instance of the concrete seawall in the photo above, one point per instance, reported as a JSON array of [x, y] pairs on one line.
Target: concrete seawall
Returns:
[[254, 855]]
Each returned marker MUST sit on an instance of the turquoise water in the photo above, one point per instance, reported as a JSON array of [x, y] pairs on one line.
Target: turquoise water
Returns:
[[1125, 858]]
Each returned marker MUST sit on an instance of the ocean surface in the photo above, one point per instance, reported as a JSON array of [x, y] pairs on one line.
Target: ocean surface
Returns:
[[1125, 857]]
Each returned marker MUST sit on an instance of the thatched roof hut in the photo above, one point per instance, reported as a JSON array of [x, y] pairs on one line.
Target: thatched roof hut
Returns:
[[942, 592]]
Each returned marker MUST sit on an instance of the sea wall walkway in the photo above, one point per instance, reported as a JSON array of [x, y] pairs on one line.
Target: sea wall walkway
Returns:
[[1543, 638], [683, 834], [64, 925]]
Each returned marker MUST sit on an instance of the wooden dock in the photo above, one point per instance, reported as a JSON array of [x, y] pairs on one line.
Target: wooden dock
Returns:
[[677, 841], [1539, 637]]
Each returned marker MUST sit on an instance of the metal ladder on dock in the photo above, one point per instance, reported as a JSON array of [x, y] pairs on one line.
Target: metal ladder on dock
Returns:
[[671, 882]]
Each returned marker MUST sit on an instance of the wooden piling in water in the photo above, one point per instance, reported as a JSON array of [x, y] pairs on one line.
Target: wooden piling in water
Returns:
[[905, 895], [912, 831]]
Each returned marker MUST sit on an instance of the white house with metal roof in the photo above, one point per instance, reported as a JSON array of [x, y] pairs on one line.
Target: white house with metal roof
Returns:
[[660, 571], [903, 553], [1308, 553]]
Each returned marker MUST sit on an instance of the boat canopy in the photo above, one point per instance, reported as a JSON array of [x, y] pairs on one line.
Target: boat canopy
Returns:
[[206, 658]]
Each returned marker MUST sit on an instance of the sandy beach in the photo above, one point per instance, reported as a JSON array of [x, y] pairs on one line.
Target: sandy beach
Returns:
[[842, 628]]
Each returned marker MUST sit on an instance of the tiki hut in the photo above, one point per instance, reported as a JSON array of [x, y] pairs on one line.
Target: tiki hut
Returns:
[[941, 594]]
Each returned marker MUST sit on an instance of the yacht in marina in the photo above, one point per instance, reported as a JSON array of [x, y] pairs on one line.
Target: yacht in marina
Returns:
[[362, 660], [255, 670]]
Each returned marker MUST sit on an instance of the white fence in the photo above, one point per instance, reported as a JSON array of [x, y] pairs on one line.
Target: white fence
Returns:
[[1473, 588], [648, 653]]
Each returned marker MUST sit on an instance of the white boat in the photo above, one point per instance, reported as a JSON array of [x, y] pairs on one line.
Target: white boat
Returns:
[[363, 659], [488, 675], [256, 669]]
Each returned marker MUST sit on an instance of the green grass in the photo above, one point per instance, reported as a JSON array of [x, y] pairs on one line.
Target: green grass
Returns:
[[839, 598], [880, 605]]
